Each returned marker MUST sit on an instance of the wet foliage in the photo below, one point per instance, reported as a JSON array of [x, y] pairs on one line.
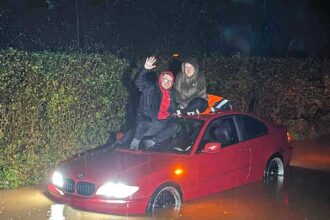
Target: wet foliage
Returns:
[[288, 91], [54, 105]]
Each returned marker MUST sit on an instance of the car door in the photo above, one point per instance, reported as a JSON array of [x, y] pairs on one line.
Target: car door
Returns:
[[222, 169], [253, 134]]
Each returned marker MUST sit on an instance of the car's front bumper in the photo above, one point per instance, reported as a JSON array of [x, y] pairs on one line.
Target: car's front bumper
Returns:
[[98, 204]]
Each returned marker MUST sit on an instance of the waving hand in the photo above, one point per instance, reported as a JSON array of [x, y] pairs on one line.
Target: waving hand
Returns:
[[149, 64]]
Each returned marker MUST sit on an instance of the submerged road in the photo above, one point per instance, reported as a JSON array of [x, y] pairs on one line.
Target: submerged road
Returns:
[[304, 193]]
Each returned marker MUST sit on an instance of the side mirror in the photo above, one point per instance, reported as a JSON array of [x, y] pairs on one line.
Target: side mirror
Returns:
[[212, 147]]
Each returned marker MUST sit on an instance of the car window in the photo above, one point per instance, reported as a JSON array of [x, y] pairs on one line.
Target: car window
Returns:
[[184, 138], [220, 130], [181, 141], [251, 127]]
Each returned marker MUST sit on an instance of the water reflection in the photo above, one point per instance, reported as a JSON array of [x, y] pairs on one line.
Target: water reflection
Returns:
[[274, 183], [301, 194], [56, 212]]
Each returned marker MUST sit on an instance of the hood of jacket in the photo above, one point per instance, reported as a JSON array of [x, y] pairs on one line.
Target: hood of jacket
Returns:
[[188, 88], [193, 62]]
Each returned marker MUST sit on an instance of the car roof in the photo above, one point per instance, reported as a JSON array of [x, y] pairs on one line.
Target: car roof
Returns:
[[211, 116]]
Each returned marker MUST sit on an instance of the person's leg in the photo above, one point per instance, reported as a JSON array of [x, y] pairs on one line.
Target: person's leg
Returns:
[[142, 127], [169, 129], [155, 128], [197, 103]]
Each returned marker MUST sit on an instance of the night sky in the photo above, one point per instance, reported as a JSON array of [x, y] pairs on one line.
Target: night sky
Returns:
[[297, 28]]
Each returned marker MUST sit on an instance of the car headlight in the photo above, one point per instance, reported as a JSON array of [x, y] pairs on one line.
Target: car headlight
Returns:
[[57, 179], [117, 190]]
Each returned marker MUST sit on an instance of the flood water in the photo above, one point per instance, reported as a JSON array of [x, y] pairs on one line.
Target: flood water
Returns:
[[304, 193]]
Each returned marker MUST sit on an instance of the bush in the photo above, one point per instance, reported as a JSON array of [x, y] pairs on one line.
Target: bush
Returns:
[[290, 92], [53, 106]]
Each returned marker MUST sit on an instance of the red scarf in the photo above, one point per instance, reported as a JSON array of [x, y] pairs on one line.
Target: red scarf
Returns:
[[164, 104], [166, 97]]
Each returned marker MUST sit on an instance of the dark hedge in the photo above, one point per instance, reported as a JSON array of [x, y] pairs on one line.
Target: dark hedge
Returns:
[[287, 91], [55, 105]]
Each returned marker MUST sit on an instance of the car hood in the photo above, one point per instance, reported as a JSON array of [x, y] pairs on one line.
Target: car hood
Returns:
[[126, 165]]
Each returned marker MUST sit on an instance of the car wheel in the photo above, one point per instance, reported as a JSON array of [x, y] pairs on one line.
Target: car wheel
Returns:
[[274, 167], [165, 197], [274, 175]]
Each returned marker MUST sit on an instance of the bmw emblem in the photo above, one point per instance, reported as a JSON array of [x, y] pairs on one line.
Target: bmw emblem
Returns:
[[80, 175]]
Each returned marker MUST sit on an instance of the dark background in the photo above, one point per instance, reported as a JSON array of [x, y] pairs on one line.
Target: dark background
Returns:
[[130, 28]]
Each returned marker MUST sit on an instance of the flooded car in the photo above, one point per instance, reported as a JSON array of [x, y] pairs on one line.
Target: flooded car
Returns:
[[208, 154]]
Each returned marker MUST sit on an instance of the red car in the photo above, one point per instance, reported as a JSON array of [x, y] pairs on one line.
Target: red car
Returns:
[[207, 154]]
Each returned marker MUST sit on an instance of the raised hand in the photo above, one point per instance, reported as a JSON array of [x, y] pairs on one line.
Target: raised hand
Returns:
[[149, 64]]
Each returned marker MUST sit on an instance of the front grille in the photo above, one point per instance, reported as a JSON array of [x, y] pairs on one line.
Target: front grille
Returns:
[[69, 185], [85, 189]]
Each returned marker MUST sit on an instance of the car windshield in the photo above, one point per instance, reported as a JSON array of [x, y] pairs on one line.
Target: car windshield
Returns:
[[181, 142]]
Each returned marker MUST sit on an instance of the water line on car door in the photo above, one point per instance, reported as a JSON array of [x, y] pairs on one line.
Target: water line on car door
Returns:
[[250, 165]]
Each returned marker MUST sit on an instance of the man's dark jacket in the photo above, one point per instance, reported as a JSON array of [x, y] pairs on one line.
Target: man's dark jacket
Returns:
[[151, 96]]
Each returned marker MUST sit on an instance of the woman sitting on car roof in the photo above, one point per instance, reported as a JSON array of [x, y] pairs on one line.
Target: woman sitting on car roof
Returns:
[[190, 88]]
